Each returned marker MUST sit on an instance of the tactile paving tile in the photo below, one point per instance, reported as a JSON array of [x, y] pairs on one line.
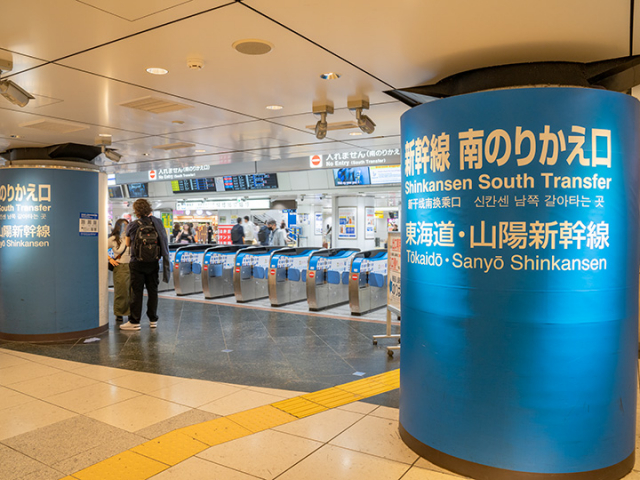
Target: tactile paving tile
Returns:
[[391, 378], [171, 448], [126, 465], [332, 397], [215, 432], [299, 407], [261, 418], [365, 388]]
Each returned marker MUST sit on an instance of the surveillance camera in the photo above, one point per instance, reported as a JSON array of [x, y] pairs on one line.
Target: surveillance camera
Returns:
[[14, 93], [112, 155], [364, 122], [321, 126]]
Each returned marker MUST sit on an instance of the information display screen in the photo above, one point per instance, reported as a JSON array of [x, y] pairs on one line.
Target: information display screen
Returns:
[[138, 190], [115, 192], [351, 176], [385, 174], [257, 181], [193, 185]]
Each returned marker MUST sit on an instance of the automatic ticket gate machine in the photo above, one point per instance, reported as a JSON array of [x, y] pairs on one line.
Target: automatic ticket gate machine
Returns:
[[164, 286], [288, 275], [250, 273], [187, 268], [328, 277], [368, 281], [217, 270]]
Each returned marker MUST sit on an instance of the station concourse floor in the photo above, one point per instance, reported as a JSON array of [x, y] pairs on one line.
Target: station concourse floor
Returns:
[[171, 404]]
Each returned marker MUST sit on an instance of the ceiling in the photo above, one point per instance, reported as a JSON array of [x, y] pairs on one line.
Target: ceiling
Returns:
[[83, 59]]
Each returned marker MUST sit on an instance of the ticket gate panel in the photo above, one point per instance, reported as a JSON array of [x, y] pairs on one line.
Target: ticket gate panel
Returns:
[[285, 275], [217, 275], [368, 281], [326, 275], [165, 286], [188, 269], [250, 280]]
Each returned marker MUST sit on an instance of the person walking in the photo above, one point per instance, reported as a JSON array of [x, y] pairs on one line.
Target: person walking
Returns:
[[249, 231], [148, 242], [278, 235], [185, 235], [120, 262], [237, 233]]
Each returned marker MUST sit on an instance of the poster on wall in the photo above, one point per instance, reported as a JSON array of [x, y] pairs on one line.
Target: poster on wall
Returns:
[[347, 223], [318, 224], [394, 251], [370, 223]]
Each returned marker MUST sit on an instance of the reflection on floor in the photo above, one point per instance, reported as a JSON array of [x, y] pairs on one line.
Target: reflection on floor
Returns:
[[246, 346]]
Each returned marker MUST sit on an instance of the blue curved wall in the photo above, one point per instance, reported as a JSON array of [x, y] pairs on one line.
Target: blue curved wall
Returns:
[[48, 271], [525, 369]]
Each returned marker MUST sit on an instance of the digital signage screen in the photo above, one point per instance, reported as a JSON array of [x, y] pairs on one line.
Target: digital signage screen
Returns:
[[385, 174], [256, 181], [138, 190], [351, 176], [115, 192], [193, 185]]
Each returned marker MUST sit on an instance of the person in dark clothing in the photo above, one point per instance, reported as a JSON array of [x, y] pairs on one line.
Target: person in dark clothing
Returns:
[[264, 234], [237, 233], [145, 274]]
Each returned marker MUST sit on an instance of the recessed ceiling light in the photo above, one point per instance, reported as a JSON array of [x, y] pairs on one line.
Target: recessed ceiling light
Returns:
[[355, 134], [157, 71], [200, 151], [252, 46], [15, 136], [330, 76], [104, 134], [178, 122], [274, 107], [145, 154]]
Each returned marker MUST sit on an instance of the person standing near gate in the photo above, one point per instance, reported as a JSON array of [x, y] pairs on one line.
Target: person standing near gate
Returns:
[[148, 241]]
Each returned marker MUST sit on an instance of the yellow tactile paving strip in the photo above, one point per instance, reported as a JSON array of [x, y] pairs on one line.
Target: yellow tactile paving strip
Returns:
[[152, 457]]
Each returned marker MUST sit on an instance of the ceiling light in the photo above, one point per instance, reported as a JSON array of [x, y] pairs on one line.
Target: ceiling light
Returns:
[[104, 135], [15, 136], [157, 71], [199, 151], [274, 107], [330, 76], [321, 126], [355, 134], [365, 123], [178, 122], [252, 46], [14, 93]]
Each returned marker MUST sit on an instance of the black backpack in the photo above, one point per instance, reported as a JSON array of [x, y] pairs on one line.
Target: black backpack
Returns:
[[263, 234], [146, 245]]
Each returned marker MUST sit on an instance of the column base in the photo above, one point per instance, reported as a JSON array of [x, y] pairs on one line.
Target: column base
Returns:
[[54, 337], [484, 472]]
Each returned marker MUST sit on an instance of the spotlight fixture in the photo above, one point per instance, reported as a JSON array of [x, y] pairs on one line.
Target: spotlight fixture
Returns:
[[14, 93], [157, 71], [321, 126], [364, 123]]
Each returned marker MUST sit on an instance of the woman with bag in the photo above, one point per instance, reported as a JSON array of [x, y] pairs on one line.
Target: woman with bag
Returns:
[[120, 263]]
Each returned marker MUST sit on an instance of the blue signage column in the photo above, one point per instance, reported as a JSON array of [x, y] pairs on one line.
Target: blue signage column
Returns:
[[52, 252], [520, 238]]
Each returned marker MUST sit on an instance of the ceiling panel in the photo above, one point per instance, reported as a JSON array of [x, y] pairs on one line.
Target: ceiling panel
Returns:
[[289, 75], [413, 41], [53, 29]]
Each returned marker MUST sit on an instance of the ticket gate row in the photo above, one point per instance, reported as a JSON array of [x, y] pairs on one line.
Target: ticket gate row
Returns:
[[217, 277], [288, 275], [368, 281], [250, 273], [328, 277]]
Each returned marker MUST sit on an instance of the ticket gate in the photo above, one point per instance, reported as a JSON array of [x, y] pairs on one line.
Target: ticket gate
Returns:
[[165, 286], [368, 281], [328, 277], [250, 273], [187, 268], [288, 275], [217, 270]]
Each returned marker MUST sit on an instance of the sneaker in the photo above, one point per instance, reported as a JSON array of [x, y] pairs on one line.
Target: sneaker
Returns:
[[119, 319], [153, 324], [130, 326]]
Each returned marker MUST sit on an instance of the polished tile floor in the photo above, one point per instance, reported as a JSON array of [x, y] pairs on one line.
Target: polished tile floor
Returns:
[[244, 345]]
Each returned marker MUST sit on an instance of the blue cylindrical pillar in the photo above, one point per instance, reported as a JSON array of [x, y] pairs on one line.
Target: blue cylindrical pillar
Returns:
[[52, 251], [520, 283]]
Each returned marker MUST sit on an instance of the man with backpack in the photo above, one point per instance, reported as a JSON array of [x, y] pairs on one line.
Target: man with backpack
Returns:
[[148, 241], [237, 233], [263, 235]]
